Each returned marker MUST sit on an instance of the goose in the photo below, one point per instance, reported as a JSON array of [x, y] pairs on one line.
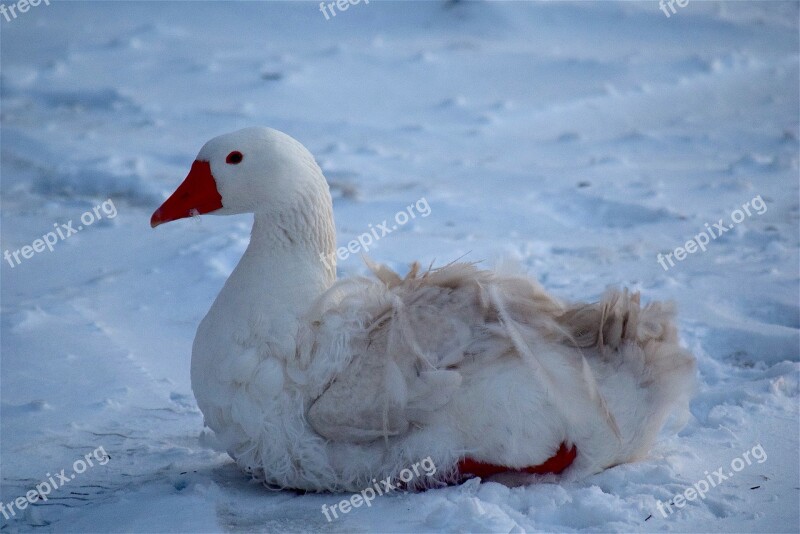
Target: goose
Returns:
[[318, 384]]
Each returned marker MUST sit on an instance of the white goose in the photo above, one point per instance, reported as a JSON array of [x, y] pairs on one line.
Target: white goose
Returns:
[[317, 384]]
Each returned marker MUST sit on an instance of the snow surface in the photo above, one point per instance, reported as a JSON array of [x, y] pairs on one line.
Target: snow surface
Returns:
[[579, 139]]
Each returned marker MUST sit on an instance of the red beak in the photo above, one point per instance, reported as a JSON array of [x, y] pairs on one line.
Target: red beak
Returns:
[[196, 195]]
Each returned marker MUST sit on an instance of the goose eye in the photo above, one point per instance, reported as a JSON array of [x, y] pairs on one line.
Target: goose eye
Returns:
[[234, 158]]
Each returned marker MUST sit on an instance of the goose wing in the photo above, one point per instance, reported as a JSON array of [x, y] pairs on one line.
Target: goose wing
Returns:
[[389, 352]]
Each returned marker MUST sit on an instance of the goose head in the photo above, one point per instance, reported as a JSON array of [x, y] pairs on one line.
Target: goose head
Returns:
[[254, 170]]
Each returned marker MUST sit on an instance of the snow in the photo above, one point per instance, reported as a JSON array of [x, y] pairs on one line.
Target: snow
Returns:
[[578, 139]]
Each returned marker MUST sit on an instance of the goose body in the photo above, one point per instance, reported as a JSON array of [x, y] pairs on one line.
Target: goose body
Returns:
[[324, 385]]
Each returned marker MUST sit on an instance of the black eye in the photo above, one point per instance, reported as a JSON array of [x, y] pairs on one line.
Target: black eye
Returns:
[[234, 158]]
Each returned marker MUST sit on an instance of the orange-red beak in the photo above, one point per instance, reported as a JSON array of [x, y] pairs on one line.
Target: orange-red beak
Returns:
[[196, 195]]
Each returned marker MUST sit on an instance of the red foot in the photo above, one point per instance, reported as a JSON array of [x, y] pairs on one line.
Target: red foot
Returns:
[[562, 459]]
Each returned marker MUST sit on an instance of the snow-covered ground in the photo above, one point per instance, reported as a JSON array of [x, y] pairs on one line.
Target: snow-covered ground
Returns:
[[579, 139]]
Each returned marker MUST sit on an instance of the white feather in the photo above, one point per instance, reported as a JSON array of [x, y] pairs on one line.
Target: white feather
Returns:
[[322, 385]]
